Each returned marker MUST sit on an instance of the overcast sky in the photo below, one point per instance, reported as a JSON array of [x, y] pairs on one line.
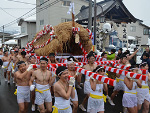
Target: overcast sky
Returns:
[[10, 10]]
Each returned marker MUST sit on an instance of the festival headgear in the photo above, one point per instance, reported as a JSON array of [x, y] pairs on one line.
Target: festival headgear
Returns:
[[99, 68], [60, 70], [70, 60], [142, 64], [90, 55], [44, 59], [19, 63]]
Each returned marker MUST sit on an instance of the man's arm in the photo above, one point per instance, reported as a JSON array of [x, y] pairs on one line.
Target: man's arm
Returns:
[[128, 82], [73, 93], [21, 75], [32, 78], [133, 54], [52, 79], [62, 92]]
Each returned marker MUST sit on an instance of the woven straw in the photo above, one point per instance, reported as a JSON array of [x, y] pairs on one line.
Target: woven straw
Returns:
[[64, 42]]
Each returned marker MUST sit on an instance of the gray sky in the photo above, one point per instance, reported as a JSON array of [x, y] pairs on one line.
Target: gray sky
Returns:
[[10, 10]]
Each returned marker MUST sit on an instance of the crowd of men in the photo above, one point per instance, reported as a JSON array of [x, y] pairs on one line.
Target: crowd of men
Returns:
[[56, 92]]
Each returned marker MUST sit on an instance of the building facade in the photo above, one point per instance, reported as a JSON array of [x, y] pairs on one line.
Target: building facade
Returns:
[[28, 30], [54, 12]]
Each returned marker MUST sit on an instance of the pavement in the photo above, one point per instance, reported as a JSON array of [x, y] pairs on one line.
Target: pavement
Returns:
[[8, 101]]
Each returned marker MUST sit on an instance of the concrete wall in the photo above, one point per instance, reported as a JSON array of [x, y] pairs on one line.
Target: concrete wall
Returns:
[[24, 41], [31, 30], [56, 14]]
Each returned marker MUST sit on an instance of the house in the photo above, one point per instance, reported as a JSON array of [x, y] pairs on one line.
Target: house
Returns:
[[28, 31], [54, 12], [114, 12]]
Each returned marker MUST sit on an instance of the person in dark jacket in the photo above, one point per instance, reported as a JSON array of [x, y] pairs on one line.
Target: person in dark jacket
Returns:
[[146, 59], [119, 54], [146, 51]]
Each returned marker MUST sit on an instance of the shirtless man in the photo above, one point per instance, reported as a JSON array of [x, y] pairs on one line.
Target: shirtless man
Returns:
[[9, 66], [32, 60], [5, 60], [63, 91], [1, 53], [72, 72], [23, 88], [120, 80], [87, 88], [44, 80], [52, 58]]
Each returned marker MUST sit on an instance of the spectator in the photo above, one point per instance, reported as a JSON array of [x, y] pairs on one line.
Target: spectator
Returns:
[[119, 54], [104, 56], [52, 58], [111, 56], [146, 51], [146, 59]]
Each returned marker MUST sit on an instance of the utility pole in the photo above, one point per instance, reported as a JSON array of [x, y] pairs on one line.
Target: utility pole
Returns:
[[3, 36], [95, 12], [90, 15]]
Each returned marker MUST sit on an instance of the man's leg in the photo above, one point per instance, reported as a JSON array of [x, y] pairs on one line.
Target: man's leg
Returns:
[[139, 106], [8, 75], [26, 107], [42, 108], [114, 94], [75, 106], [145, 106], [84, 102], [21, 107], [33, 100], [48, 107]]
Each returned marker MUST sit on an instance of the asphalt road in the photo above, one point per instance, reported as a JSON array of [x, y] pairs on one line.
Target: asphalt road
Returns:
[[8, 101]]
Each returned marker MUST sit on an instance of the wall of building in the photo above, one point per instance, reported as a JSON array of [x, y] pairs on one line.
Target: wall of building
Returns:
[[24, 41], [31, 30], [57, 13]]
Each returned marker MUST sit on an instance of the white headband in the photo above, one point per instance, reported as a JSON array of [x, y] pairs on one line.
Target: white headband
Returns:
[[69, 62], [44, 60], [62, 72], [98, 69]]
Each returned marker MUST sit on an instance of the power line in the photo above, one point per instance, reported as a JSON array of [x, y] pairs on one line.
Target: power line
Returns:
[[21, 2], [41, 9], [7, 13]]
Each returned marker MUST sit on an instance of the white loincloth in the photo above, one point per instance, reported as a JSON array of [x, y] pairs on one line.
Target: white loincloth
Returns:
[[119, 86], [87, 87], [40, 98], [23, 94], [5, 66], [143, 94], [63, 105], [76, 96], [95, 105], [129, 100]]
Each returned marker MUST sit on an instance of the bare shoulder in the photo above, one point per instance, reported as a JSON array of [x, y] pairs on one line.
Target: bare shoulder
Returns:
[[17, 73], [49, 72], [56, 85], [36, 71]]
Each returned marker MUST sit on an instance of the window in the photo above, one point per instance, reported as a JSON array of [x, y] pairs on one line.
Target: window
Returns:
[[66, 3], [65, 20], [22, 29], [146, 31], [41, 2], [133, 28], [41, 22]]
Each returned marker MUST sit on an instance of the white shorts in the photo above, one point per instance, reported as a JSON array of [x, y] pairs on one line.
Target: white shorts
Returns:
[[23, 94], [119, 86], [95, 105], [87, 87], [10, 66], [129, 100], [40, 98], [143, 94], [76, 96]]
